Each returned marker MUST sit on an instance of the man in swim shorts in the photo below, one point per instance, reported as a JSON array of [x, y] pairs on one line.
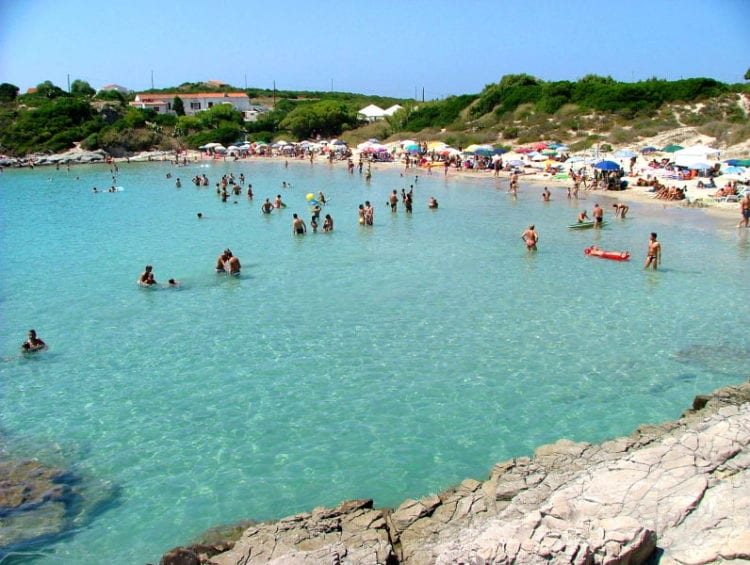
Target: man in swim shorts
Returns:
[[598, 214], [298, 225], [393, 200], [267, 207], [745, 211], [530, 237], [582, 217], [653, 255]]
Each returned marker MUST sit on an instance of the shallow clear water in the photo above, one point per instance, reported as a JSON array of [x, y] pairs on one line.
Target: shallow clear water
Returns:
[[385, 362]]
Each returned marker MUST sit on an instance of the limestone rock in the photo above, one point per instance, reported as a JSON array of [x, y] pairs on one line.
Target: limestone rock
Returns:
[[681, 487]]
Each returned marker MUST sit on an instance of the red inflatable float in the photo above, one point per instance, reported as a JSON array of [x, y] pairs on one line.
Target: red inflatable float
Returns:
[[594, 251]]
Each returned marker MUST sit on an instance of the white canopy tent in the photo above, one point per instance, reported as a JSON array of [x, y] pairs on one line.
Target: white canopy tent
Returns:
[[695, 154]]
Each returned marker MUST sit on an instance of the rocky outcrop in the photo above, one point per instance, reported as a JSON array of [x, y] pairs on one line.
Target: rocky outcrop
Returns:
[[40, 503], [73, 156], [680, 489]]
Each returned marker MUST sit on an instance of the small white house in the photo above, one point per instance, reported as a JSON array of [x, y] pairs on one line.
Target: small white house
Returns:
[[115, 87]]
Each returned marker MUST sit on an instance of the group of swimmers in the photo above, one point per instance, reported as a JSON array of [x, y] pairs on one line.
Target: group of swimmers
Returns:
[[653, 254], [147, 279]]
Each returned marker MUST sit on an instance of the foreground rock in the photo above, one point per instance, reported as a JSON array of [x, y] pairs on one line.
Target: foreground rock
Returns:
[[681, 489]]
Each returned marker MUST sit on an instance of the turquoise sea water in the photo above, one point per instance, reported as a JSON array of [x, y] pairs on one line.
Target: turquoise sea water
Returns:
[[385, 362]]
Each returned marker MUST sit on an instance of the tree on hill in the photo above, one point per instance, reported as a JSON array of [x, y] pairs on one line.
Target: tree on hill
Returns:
[[8, 92], [326, 118], [81, 88], [47, 89]]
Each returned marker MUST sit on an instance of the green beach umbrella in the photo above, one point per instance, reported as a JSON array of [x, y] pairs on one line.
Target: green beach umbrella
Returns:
[[672, 148]]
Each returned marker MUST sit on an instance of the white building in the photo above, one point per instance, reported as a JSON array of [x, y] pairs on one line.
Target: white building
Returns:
[[116, 87], [193, 103]]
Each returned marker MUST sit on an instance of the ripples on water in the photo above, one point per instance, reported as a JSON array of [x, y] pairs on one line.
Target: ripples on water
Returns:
[[388, 362]]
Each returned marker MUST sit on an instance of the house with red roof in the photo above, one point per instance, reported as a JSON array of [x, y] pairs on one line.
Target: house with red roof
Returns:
[[192, 102]]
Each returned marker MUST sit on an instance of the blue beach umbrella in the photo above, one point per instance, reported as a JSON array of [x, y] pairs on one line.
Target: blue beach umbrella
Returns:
[[734, 170], [607, 166], [483, 152], [699, 166], [648, 149], [498, 151]]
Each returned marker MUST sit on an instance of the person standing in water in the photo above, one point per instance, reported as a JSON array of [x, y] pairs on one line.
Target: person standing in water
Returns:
[[598, 214], [33, 343], [653, 255], [745, 211], [298, 225], [147, 277], [530, 237], [620, 210]]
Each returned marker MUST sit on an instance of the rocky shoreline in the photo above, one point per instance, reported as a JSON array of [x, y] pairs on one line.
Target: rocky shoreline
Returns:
[[678, 492]]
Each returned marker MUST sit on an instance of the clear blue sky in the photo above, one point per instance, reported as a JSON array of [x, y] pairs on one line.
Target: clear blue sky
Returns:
[[387, 47]]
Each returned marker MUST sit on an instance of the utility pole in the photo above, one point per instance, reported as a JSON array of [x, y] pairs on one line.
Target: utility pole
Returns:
[[245, 81], [68, 82], [423, 94], [274, 94], [152, 80]]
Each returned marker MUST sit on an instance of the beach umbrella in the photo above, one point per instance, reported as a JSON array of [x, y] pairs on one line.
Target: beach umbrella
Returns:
[[436, 145], [607, 166], [539, 145], [672, 148], [516, 163], [338, 142], [483, 151], [562, 148], [648, 149], [412, 148], [738, 162], [574, 159], [524, 150], [549, 152], [700, 166], [734, 170], [625, 153], [498, 151]]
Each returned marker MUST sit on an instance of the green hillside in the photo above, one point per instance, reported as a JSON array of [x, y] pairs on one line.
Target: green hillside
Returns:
[[515, 110]]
